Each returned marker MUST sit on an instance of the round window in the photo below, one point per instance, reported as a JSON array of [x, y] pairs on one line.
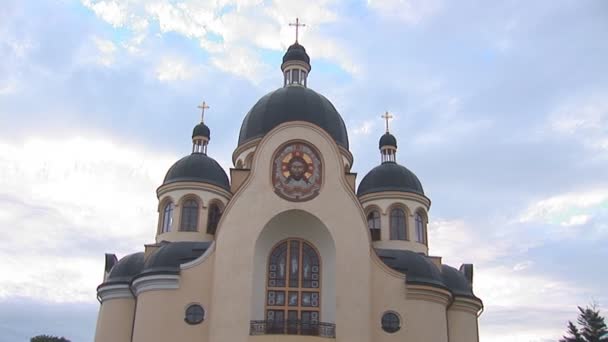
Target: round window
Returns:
[[194, 314], [390, 322]]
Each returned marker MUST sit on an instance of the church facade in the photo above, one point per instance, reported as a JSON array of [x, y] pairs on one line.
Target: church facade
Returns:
[[288, 248]]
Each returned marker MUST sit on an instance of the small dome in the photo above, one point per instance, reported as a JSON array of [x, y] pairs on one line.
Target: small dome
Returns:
[[457, 282], [296, 52], [168, 257], [293, 104], [201, 130], [387, 140], [198, 167], [127, 268], [418, 269], [390, 176]]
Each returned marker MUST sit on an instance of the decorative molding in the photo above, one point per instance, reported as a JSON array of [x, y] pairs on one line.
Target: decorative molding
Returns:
[[240, 149], [116, 291], [396, 195], [155, 282], [163, 189], [429, 294], [464, 304], [200, 259]]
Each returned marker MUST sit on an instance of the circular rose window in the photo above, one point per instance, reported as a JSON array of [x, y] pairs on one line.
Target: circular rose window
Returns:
[[296, 172]]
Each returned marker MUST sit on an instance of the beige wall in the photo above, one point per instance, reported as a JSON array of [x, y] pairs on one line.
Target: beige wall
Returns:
[[462, 325], [160, 314], [115, 320], [255, 204]]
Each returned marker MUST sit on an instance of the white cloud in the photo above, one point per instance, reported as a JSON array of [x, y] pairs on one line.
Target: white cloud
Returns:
[[409, 11], [114, 12], [365, 128], [106, 49], [568, 209], [175, 69], [64, 198]]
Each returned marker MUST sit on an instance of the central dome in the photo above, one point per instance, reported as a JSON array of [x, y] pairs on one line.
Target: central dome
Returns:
[[293, 103]]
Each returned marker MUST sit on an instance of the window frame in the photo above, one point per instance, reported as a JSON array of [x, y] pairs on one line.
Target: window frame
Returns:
[[393, 229], [184, 210], [165, 227]]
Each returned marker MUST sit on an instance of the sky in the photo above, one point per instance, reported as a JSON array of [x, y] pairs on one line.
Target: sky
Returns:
[[501, 109]]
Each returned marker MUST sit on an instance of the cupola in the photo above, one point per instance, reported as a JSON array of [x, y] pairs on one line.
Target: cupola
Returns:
[[296, 62]]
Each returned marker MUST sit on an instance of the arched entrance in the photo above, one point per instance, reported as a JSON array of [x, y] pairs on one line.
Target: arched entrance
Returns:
[[293, 294]]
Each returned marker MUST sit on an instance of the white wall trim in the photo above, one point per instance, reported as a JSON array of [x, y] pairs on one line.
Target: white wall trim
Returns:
[[117, 291], [155, 283]]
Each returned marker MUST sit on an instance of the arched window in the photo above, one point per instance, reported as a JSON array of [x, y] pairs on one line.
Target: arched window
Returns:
[[189, 219], [420, 229], [293, 297], [397, 224], [167, 217], [373, 224], [213, 218]]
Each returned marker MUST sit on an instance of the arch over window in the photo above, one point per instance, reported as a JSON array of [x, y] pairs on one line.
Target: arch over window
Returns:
[[213, 218], [293, 296], [373, 224], [167, 217], [189, 218], [398, 226], [420, 228]]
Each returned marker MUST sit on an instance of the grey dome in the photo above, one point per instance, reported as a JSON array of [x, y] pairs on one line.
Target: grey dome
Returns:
[[201, 130], [457, 282], [197, 167], [296, 52], [390, 176], [387, 140], [168, 257], [127, 268], [293, 104], [417, 268]]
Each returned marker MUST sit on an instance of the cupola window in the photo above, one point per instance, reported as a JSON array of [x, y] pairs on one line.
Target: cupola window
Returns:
[[189, 219], [167, 217], [398, 228], [213, 218], [420, 229], [373, 224]]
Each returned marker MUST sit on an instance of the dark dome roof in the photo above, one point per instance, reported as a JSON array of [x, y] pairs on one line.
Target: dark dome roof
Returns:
[[127, 268], [168, 257], [387, 140], [198, 167], [201, 130], [296, 52], [293, 104], [418, 268], [389, 176], [457, 281]]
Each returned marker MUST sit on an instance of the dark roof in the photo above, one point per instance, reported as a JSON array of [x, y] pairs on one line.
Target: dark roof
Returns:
[[201, 130], [293, 103], [419, 269], [296, 52], [168, 257], [389, 176], [457, 282], [387, 140], [127, 268], [198, 167]]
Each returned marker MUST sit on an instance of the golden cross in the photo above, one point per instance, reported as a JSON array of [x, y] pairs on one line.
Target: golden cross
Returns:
[[203, 107], [297, 25], [387, 116]]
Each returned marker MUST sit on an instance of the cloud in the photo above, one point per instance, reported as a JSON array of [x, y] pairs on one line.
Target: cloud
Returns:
[[74, 199], [365, 128], [106, 49], [114, 12], [409, 11], [175, 69], [569, 209]]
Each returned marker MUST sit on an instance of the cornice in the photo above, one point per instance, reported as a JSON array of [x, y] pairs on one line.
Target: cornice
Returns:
[[465, 304], [163, 189], [114, 291], [240, 149], [155, 282], [428, 293], [396, 195]]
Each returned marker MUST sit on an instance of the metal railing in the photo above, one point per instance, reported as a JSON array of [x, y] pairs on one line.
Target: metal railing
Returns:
[[290, 327]]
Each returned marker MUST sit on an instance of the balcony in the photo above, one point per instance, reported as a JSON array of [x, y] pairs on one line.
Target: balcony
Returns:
[[298, 327]]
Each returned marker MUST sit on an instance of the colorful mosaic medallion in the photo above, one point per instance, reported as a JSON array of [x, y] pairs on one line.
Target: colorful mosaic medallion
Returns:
[[296, 172]]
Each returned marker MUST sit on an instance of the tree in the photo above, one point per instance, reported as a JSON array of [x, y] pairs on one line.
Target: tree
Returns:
[[592, 326], [48, 338]]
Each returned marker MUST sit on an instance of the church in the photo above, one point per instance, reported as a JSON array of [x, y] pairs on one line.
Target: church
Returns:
[[288, 248]]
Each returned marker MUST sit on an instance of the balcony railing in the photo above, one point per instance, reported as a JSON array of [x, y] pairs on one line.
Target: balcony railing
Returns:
[[298, 327]]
